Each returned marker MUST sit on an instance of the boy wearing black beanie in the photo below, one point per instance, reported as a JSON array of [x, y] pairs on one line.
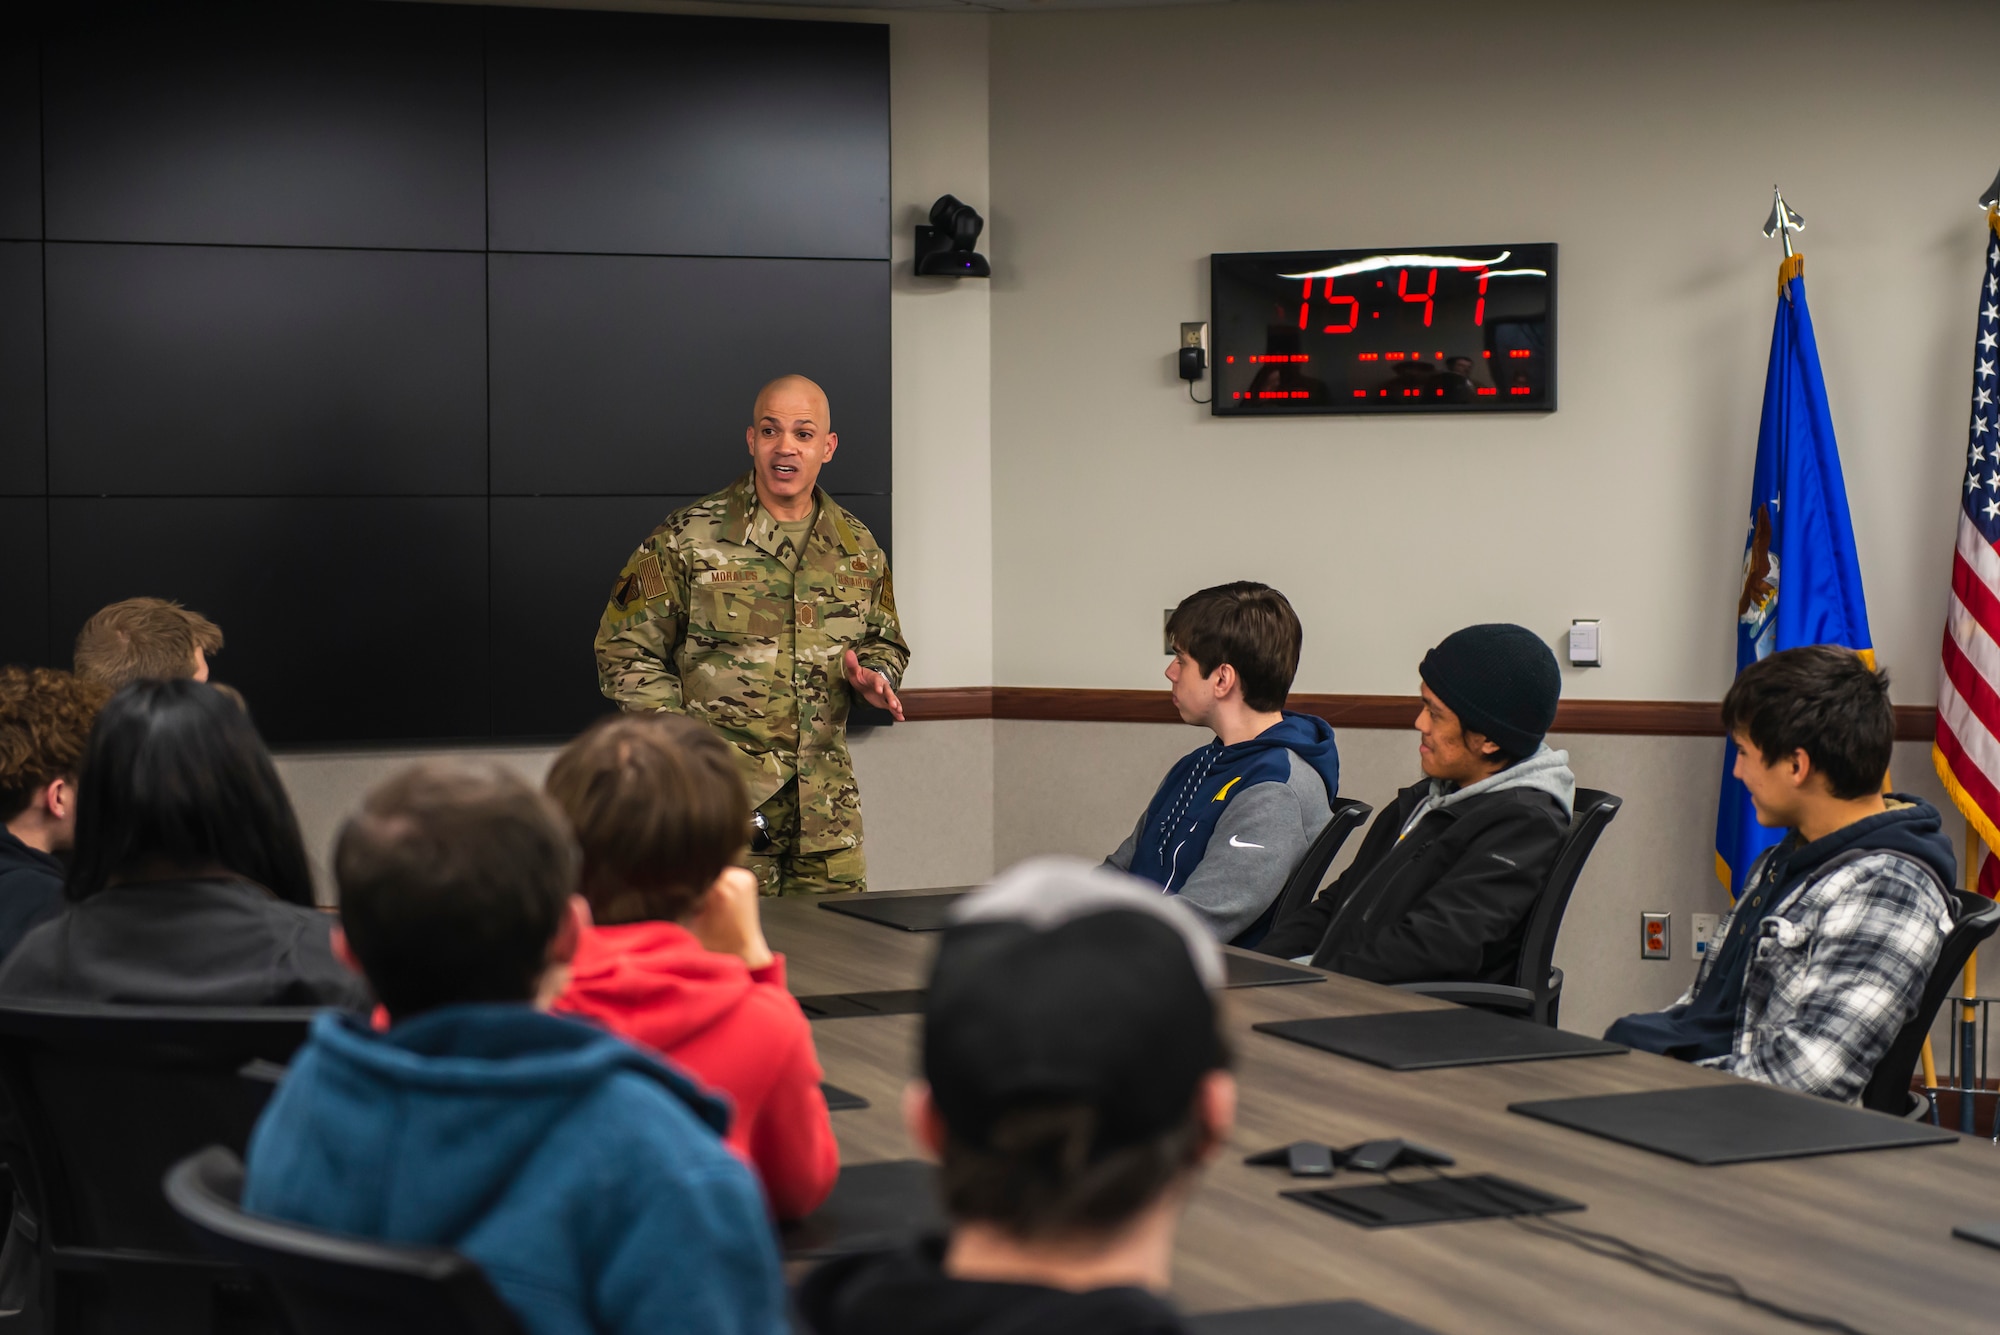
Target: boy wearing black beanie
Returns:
[[1444, 882]]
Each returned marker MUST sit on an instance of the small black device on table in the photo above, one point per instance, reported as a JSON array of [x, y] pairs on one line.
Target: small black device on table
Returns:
[[1467, 329]]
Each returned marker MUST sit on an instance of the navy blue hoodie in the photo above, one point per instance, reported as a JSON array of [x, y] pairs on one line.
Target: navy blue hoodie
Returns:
[[1229, 823], [587, 1178], [1703, 1025]]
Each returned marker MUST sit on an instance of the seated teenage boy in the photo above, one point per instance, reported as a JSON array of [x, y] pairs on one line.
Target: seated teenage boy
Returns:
[[677, 959], [1442, 885], [1068, 1150], [45, 719], [586, 1178], [1825, 956], [1233, 818]]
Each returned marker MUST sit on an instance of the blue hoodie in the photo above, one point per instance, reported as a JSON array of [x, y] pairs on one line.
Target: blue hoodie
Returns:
[[1229, 823], [585, 1177]]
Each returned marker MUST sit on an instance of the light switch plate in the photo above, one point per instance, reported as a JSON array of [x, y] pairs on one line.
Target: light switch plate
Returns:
[[1586, 646], [1656, 936], [1704, 933]]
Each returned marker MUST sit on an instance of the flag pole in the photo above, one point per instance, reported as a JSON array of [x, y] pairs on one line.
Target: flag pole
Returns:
[[1968, 1032]]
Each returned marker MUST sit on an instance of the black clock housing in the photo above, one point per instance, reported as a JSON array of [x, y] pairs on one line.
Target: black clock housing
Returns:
[[1452, 329]]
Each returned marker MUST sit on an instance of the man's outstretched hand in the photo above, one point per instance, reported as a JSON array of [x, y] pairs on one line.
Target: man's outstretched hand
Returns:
[[873, 687]]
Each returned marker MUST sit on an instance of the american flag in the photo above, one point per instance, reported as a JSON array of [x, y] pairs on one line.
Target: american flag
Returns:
[[1967, 752]]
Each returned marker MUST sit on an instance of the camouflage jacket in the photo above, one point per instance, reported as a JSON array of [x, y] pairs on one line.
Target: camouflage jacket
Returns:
[[707, 620]]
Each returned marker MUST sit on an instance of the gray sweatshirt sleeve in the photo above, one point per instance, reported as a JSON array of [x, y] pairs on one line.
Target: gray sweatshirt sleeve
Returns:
[[1122, 859], [1260, 837]]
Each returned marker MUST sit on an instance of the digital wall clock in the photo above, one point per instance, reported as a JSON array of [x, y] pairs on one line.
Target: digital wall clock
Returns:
[[1464, 329]]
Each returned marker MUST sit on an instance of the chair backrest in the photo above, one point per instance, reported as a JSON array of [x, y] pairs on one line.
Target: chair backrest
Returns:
[[1591, 811], [332, 1285], [1303, 884], [109, 1097], [1974, 919]]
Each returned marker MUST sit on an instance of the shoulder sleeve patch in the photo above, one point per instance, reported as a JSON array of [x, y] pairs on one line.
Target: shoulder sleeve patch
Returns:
[[652, 583], [627, 591]]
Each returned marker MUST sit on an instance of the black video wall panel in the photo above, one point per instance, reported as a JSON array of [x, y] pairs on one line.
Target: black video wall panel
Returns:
[[381, 333]]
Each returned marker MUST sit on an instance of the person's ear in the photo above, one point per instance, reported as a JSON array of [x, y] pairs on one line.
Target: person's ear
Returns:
[[832, 444], [1224, 681], [576, 918], [922, 1118], [1802, 768], [59, 798], [344, 952], [1217, 1097]]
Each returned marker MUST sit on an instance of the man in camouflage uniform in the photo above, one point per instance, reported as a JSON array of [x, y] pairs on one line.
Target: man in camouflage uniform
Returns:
[[763, 610]]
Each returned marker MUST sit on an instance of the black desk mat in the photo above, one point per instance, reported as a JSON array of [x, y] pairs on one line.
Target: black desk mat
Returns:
[[873, 1205], [1423, 1040], [1735, 1123], [1263, 971], [1431, 1200], [1351, 1317], [841, 1100], [909, 913], [850, 1005]]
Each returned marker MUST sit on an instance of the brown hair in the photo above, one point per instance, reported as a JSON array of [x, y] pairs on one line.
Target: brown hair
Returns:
[[45, 719], [1036, 1180], [143, 637], [659, 810], [1249, 626], [454, 879]]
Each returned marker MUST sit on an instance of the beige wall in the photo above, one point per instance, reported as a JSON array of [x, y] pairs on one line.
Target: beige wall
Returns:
[[1128, 145]]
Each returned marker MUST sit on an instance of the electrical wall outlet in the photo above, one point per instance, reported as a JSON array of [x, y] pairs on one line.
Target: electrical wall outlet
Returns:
[[1656, 936], [1167, 636], [1704, 932], [1194, 334]]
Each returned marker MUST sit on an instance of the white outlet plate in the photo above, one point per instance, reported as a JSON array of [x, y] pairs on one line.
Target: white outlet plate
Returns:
[[1704, 932], [1656, 936]]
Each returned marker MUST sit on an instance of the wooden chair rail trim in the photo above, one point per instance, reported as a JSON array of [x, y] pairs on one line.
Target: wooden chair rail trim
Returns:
[[1626, 718]]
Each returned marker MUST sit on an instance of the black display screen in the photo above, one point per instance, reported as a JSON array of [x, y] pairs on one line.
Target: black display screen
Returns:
[[1405, 329]]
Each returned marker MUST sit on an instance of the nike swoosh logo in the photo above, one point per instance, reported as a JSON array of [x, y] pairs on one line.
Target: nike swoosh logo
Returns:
[[1234, 842]]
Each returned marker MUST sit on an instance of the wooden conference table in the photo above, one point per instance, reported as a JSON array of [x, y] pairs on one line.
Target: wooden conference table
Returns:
[[1865, 1237]]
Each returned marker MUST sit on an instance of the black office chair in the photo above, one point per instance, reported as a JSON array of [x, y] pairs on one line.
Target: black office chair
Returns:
[[104, 1100], [1348, 816], [328, 1284], [1536, 993], [1975, 918]]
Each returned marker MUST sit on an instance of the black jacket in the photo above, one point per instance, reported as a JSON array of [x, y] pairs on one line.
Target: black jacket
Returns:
[[31, 884], [907, 1293], [184, 943], [1447, 903]]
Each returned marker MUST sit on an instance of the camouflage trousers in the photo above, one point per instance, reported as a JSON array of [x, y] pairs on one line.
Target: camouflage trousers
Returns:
[[783, 871]]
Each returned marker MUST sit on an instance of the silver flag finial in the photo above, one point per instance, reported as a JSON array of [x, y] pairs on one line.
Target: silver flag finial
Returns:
[[1783, 221], [1992, 195]]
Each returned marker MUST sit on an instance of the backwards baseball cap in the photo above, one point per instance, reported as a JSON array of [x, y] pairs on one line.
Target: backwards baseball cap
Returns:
[[1065, 983]]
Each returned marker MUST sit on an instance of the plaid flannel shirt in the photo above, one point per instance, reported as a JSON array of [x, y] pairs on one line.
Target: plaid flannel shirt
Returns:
[[1836, 971]]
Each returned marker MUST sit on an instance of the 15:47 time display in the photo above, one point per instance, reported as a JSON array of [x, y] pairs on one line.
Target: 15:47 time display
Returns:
[[1401, 329]]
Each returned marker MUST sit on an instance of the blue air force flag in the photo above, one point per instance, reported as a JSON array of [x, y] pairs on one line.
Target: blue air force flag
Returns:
[[1801, 578]]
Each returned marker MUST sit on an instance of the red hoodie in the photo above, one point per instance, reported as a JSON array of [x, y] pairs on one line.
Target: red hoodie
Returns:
[[735, 1030]]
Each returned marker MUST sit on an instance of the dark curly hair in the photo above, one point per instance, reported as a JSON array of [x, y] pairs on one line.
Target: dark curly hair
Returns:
[[45, 718]]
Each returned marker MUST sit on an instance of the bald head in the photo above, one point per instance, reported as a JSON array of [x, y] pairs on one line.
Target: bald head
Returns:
[[790, 437], [790, 397]]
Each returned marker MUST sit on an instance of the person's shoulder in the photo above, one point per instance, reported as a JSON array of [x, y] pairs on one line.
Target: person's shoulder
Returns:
[[864, 537], [633, 1112]]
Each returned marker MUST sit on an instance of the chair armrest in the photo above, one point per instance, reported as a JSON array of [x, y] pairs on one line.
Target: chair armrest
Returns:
[[1488, 996]]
